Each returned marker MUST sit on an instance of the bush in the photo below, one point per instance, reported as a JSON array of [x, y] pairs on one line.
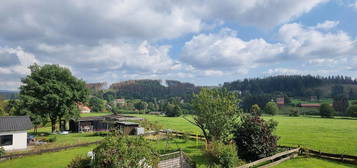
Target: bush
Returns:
[[271, 108], [352, 111], [125, 152], [223, 155], [294, 112], [326, 111], [52, 139], [255, 110], [80, 162], [2, 151], [254, 138]]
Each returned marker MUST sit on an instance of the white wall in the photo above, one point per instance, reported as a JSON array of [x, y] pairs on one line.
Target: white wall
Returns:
[[19, 140]]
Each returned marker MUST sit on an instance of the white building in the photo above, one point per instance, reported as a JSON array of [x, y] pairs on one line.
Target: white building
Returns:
[[13, 132]]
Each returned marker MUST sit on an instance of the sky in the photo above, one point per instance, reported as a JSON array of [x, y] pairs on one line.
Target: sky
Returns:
[[205, 42]]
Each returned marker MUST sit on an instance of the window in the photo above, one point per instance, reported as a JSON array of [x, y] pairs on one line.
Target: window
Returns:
[[5, 140]]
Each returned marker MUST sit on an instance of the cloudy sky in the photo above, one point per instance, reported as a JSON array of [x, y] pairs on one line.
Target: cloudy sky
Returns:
[[205, 42]]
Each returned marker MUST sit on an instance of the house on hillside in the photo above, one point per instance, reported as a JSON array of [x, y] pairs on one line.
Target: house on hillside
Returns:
[[13, 132], [280, 101], [84, 109]]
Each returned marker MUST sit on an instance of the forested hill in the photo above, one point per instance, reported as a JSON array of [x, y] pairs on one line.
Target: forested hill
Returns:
[[8, 94], [149, 89], [293, 85]]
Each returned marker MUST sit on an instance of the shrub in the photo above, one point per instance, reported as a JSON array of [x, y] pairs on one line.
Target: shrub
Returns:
[[326, 111], [2, 151], [80, 162], [223, 155], [255, 110], [294, 112], [352, 111], [125, 152], [254, 137], [52, 139], [271, 108]]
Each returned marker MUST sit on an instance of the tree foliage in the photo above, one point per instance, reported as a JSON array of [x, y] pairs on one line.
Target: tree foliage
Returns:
[[340, 104], [96, 104], [254, 137], [255, 110], [215, 111], [326, 111], [124, 152], [51, 91], [224, 155], [352, 111], [271, 108]]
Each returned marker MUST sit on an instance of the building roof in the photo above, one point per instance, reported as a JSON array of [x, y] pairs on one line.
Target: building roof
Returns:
[[111, 117], [309, 105], [128, 123], [95, 118], [15, 123]]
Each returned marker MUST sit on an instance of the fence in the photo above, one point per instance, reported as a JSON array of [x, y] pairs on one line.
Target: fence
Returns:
[[338, 157], [274, 160], [176, 160]]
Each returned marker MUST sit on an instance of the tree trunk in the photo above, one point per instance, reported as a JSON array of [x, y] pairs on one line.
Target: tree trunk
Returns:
[[53, 125]]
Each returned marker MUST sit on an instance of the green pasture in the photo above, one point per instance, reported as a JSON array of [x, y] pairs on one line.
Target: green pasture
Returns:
[[308, 162], [336, 135]]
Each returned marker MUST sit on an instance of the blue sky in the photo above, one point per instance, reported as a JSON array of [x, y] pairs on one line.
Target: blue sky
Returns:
[[206, 42]]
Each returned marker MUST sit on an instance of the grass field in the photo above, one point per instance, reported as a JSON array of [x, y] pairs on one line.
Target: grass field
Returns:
[[304, 162], [328, 135], [47, 160]]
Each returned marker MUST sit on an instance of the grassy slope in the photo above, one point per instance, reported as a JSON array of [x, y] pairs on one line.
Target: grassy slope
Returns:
[[328, 135], [303, 162]]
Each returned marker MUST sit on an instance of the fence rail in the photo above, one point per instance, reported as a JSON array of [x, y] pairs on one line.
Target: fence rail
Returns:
[[337, 157], [283, 156]]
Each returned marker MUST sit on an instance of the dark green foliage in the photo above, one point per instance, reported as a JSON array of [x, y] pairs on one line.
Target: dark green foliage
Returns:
[[254, 138], [255, 110], [109, 96], [124, 152], [97, 104], [149, 90], [340, 104], [354, 102], [326, 111], [141, 105], [294, 112], [80, 162], [215, 113], [271, 108], [292, 85], [223, 155], [352, 111], [173, 110], [259, 99], [337, 91], [51, 91]]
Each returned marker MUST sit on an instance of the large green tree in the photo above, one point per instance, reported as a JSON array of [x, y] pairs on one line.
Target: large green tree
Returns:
[[52, 92], [97, 104], [271, 108], [215, 111], [340, 104]]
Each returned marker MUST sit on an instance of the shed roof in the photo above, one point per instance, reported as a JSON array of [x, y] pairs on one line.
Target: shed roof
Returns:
[[15, 123], [95, 118], [128, 123]]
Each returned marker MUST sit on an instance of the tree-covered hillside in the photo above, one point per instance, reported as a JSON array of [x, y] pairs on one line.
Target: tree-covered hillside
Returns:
[[294, 85], [149, 89]]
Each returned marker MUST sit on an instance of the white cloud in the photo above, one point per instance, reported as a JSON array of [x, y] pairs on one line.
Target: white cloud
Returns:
[[328, 24], [226, 51], [353, 5], [283, 71], [310, 43], [16, 66]]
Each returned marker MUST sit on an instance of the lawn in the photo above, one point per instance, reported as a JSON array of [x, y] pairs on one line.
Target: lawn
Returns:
[[305, 162], [328, 135], [47, 160]]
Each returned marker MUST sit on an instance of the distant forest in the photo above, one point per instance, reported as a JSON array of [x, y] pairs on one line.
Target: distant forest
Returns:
[[296, 86]]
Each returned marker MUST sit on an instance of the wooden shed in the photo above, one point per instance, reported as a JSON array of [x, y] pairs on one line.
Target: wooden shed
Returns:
[[127, 128]]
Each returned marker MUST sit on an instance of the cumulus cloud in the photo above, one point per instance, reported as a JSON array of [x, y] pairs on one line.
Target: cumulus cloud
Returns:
[[224, 50], [328, 24], [14, 64], [309, 43], [353, 5], [283, 71]]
